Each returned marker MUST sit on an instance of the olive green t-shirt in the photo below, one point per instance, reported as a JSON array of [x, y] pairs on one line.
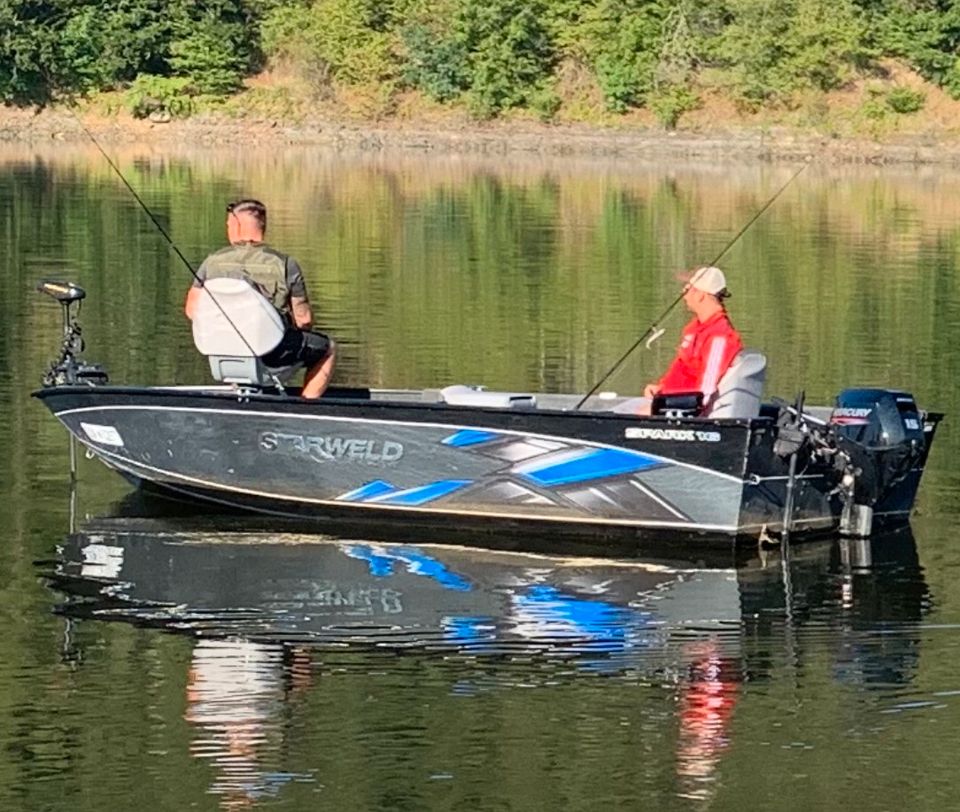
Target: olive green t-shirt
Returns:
[[230, 261]]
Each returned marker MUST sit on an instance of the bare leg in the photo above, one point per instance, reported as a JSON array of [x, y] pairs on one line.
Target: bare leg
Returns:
[[317, 378]]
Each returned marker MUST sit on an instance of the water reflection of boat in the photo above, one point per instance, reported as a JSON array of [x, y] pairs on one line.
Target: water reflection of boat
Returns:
[[317, 590], [862, 599], [265, 608]]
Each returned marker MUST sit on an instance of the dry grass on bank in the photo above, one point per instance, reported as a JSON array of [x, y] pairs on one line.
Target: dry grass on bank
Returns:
[[286, 94], [855, 111], [282, 106]]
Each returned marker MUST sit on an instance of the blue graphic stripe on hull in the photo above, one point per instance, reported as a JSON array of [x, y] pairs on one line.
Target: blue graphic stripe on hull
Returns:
[[469, 437], [592, 464], [423, 494], [369, 491]]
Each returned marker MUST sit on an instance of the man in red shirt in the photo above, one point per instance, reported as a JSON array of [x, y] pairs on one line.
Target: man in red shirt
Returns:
[[709, 343]]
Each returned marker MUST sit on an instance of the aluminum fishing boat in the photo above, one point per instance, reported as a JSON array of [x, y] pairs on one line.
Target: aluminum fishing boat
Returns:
[[466, 458]]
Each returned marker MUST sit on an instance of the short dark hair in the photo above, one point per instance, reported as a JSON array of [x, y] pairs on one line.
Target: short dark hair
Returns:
[[250, 206]]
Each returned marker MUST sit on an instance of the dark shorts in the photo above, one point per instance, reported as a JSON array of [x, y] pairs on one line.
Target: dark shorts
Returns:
[[298, 347]]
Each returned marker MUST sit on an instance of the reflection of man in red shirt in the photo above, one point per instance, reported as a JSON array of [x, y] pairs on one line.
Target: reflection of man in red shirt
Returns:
[[708, 696], [709, 343]]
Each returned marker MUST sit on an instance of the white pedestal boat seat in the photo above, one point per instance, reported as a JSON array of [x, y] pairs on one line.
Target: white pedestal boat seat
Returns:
[[235, 326], [741, 387]]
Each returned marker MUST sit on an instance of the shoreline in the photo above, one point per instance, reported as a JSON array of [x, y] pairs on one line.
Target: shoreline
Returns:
[[495, 138]]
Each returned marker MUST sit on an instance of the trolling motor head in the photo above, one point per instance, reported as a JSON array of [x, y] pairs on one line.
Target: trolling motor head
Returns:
[[69, 369], [64, 292]]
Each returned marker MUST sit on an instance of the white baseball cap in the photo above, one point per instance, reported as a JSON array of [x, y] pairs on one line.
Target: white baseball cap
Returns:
[[708, 279]]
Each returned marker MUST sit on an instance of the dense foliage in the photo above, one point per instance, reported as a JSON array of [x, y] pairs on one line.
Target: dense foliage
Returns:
[[490, 55], [61, 47]]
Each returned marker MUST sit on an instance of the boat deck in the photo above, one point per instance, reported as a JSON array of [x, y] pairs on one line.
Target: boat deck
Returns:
[[477, 397]]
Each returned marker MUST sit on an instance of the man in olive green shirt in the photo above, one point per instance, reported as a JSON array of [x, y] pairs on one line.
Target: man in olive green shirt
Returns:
[[280, 279]]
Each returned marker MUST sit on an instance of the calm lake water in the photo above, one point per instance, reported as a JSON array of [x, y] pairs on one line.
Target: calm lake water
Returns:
[[163, 662]]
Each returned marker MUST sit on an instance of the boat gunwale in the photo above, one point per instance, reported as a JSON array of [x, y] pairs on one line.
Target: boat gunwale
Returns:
[[295, 404]]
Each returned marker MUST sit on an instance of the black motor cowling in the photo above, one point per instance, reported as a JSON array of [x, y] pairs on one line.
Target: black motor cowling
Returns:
[[877, 417], [881, 432]]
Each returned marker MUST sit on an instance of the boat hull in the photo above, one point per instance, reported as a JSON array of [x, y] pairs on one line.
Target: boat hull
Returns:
[[356, 459]]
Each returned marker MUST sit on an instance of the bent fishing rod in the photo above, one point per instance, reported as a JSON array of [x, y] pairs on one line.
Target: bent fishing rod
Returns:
[[654, 331], [167, 237]]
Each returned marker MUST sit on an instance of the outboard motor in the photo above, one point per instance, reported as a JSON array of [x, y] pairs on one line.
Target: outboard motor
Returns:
[[877, 417], [880, 432]]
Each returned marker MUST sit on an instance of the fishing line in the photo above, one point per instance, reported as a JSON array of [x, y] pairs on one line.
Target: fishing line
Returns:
[[654, 331], [167, 237]]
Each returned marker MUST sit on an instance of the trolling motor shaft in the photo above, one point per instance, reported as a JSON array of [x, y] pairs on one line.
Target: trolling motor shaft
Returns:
[[68, 369]]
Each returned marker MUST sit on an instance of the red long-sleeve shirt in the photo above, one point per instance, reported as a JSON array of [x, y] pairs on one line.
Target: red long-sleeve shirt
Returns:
[[706, 351]]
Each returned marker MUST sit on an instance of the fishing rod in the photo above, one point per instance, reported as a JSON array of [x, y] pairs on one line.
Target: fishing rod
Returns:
[[654, 331], [169, 239]]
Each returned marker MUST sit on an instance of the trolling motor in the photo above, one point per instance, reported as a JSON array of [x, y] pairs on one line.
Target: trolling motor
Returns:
[[69, 369]]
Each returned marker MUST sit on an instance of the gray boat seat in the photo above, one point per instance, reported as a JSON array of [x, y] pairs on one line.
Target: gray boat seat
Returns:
[[460, 395], [234, 326], [741, 387]]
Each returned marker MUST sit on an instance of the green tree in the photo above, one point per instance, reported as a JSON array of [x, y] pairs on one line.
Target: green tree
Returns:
[[106, 44], [509, 53], [436, 63], [672, 94], [492, 54], [65, 46], [350, 40], [924, 32], [773, 48], [30, 60], [213, 46], [621, 39]]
